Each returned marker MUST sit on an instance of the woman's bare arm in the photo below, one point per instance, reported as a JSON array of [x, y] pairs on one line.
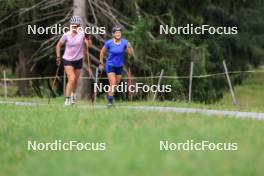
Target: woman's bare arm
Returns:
[[58, 52], [102, 55], [88, 42], [130, 49]]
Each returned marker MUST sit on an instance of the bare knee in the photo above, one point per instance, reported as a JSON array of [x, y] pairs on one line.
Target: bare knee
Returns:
[[112, 82], [71, 80], [76, 79]]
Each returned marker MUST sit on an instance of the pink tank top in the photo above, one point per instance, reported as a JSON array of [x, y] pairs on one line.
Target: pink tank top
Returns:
[[74, 46]]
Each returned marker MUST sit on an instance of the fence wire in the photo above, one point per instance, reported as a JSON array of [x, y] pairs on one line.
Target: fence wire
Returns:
[[42, 86], [135, 77]]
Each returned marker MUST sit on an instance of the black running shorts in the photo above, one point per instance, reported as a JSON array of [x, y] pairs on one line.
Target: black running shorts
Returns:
[[75, 64]]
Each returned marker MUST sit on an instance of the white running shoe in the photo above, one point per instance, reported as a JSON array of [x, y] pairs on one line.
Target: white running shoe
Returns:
[[73, 98], [67, 102], [110, 105]]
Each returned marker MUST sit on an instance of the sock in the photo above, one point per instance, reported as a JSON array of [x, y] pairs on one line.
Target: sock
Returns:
[[110, 99], [73, 95]]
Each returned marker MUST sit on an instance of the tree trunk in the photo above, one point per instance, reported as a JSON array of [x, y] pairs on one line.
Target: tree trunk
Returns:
[[84, 87], [23, 60]]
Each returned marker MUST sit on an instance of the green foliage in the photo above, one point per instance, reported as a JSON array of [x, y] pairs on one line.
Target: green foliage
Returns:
[[154, 52], [174, 53]]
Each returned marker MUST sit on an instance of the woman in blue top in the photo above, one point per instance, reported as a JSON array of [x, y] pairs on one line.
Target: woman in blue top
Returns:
[[117, 47]]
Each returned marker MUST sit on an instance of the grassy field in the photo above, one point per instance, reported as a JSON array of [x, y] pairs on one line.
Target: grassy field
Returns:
[[250, 94], [132, 140]]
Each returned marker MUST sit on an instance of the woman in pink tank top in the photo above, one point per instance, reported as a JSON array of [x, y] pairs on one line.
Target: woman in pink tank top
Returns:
[[72, 58]]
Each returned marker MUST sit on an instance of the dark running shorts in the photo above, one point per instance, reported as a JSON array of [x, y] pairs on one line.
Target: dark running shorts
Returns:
[[113, 69], [75, 64]]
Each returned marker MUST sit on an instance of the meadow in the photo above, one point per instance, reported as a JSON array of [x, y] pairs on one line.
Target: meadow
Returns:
[[132, 138]]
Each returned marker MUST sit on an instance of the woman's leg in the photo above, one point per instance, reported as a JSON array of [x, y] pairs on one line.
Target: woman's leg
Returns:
[[118, 79], [118, 71], [77, 76], [112, 82], [77, 70], [69, 70], [75, 85]]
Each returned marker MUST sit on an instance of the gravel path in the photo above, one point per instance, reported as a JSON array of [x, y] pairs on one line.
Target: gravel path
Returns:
[[238, 114]]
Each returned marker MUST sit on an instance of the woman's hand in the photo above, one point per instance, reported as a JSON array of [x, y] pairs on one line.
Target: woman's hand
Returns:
[[101, 67], [58, 61]]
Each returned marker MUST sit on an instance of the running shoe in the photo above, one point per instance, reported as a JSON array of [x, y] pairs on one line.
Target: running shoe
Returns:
[[110, 105], [67, 102], [73, 98]]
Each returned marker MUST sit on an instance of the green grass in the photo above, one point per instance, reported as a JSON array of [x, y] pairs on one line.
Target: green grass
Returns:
[[132, 139], [250, 94]]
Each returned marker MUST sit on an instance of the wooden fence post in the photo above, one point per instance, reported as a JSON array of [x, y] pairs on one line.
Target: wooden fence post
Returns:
[[230, 84], [190, 82], [160, 77]]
